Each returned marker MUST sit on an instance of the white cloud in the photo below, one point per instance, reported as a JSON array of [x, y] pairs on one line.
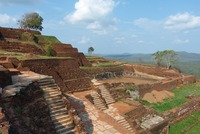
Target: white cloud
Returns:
[[103, 27], [84, 40], [178, 41], [90, 10], [182, 21], [6, 19]]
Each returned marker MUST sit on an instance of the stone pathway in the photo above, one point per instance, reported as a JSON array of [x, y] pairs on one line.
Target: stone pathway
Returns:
[[96, 121], [98, 101], [106, 95], [113, 112]]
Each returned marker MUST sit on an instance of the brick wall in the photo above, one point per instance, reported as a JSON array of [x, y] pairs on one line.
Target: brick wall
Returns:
[[19, 47], [66, 72], [15, 33]]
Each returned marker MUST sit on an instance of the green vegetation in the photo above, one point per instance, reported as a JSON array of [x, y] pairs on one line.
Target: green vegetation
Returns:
[[90, 50], [31, 21], [21, 56], [189, 67], [166, 57], [178, 99], [189, 125], [41, 39]]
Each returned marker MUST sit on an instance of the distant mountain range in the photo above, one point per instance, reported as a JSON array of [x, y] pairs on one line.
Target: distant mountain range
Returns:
[[147, 58]]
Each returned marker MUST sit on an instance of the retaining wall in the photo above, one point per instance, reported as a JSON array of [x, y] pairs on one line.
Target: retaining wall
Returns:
[[19, 47], [15, 33], [66, 72]]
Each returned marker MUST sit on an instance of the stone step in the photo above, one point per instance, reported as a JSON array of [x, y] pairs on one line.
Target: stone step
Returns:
[[100, 105], [59, 117], [46, 80], [56, 104], [53, 92], [66, 130], [109, 101], [106, 98], [52, 111], [60, 120], [52, 96], [56, 98], [59, 113], [63, 125], [63, 122], [120, 121], [50, 86], [57, 107], [46, 83], [55, 111], [54, 101], [73, 131], [50, 89]]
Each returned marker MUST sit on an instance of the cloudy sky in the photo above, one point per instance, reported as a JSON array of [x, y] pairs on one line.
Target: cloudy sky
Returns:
[[114, 26]]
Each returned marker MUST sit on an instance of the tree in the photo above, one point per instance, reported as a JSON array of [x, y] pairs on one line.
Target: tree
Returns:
[[31, 21], [166, 56], [90, 50], [158, 57], [170, 57]]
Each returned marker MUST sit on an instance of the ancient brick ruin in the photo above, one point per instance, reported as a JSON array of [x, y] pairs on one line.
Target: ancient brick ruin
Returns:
[[87, 99], [9, 42]]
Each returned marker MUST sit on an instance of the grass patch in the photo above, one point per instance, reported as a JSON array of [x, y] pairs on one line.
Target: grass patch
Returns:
[[21, 56], [41, 39], [178, 99], [182, 125]]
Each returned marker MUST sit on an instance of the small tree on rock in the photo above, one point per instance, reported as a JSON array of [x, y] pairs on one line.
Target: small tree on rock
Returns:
[[31, 21], [90, 50], [167, 57], [158, 57]]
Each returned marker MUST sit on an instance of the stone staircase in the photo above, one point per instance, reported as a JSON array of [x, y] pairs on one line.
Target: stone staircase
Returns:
[[58, 111], [98, 101], [122, 121], [106, 95]]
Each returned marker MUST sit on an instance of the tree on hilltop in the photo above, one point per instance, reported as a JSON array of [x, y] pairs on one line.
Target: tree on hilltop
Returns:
[[168, 57], [90, 50], [31, 21], [158, 57]]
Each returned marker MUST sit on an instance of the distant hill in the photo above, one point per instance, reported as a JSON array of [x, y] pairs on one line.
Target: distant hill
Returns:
[[147, 58], [188, 63]]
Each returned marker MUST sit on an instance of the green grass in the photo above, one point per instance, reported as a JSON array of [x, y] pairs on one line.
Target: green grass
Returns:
[[20, 56], [182, 125], [178, 99], [47, 39]]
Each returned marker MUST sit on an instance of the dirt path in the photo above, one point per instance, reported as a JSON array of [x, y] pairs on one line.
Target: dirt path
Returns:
[[99, 121]]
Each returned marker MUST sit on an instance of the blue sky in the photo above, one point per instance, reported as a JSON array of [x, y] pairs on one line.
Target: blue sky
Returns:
[[114, 26]]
